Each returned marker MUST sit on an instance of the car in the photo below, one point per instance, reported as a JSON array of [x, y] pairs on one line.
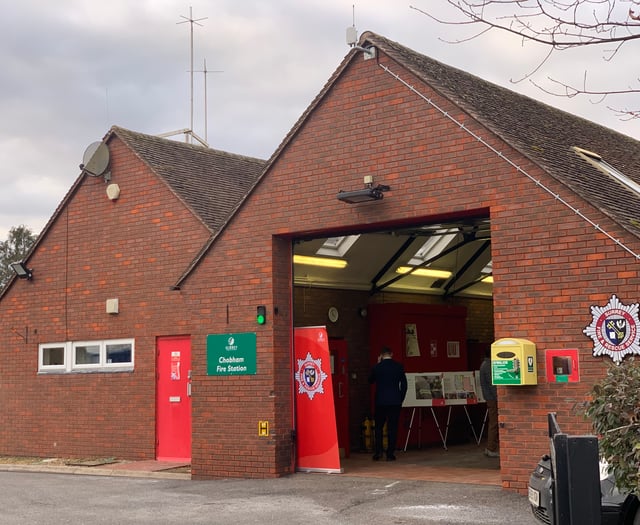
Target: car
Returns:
[[616, 508]]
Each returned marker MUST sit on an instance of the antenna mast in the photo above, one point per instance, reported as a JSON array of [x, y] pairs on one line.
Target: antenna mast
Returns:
[[206, 113], [191, 21]]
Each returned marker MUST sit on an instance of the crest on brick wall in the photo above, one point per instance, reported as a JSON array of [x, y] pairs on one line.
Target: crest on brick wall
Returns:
[[614, 330], [310, 376]]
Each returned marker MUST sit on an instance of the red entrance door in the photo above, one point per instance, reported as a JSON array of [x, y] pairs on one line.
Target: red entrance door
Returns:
[[173, 401], [340, 379]]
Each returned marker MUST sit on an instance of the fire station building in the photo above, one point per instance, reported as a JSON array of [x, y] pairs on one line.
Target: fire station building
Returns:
[[454, 214]]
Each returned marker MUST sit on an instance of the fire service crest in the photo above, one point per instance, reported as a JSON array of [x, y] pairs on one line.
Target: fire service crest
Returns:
[[614, 330], [310, 376]]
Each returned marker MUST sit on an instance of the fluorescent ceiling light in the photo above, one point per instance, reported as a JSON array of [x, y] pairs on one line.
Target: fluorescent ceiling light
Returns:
[[488, 279], [425, 272], [319, 261]]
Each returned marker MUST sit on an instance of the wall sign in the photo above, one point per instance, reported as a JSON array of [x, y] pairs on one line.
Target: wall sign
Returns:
[[231, 354], [614, 330], [175, 365], [453, 349], [412, 347]]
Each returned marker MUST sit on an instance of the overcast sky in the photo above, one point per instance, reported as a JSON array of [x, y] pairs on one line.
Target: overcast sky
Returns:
[[70, 69]]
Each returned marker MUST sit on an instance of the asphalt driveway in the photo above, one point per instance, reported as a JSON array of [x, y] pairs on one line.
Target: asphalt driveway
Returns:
[[36, 498]]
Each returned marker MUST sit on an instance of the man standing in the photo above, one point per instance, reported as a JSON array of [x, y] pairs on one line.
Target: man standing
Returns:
[[490, 394], [391, 387]]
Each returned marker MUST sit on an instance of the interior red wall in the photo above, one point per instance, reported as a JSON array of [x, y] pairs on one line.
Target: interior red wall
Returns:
[[435, 326]]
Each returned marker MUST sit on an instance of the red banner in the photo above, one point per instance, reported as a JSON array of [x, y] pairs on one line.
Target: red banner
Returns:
[[315, 411]]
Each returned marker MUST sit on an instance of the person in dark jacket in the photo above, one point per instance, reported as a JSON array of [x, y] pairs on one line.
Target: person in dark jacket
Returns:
[[391, 388]]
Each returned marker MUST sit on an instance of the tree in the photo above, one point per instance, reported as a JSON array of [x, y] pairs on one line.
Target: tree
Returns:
[[18, 243], [615, 412], [558, 25]]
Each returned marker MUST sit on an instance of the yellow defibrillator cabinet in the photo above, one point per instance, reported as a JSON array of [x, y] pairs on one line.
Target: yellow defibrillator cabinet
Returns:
[[513, 362]]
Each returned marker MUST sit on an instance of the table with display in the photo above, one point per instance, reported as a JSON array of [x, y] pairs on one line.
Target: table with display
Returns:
[[443, 390]]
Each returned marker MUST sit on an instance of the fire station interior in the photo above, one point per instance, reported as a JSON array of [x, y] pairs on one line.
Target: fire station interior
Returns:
[[426, 291]]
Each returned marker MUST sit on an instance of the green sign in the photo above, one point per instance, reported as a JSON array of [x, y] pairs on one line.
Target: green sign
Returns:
[[231, 354], [506, 372]]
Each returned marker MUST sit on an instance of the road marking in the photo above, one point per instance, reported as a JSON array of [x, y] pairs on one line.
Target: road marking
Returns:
[[378, 492]]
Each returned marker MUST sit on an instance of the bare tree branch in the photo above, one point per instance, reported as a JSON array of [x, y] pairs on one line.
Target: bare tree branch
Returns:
[[560, 25]]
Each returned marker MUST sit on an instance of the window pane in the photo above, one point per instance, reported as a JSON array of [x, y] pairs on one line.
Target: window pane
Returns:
[[118, 352], [53, 356], [87, 355]]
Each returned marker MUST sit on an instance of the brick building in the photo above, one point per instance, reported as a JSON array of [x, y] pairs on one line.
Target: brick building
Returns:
[[198, 238]]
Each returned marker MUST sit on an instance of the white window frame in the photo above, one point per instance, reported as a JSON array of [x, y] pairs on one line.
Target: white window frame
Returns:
[[70, 365], [128, 365], [53, 368], [83, 366]]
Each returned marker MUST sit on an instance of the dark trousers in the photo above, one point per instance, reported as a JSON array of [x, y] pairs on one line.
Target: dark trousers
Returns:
[[492, 429], [391, 415]]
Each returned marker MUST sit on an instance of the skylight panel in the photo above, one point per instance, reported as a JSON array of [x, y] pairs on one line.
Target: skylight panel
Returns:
[[597, 161], [337, 246], [433, 247]]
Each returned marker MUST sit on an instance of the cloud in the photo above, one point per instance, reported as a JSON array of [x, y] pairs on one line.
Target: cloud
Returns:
[[73, 68]]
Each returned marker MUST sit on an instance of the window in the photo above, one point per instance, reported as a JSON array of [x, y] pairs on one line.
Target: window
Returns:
[[434, 246], [52, 356], [119, 352], [86, 354], [597, 161], [114, 355], [337, 246]]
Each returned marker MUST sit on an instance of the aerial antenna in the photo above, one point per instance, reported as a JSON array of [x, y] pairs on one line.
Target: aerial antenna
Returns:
[[191, 21], [205, 71], [352, 39]]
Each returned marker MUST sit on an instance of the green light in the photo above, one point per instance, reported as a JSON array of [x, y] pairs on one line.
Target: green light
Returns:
[[261, 315]]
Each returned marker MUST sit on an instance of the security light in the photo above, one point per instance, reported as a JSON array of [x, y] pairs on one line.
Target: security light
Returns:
[[366, 194], [21, 270]]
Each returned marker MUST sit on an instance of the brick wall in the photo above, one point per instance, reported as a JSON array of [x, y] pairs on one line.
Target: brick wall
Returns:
[[549, 265], [132, 249]]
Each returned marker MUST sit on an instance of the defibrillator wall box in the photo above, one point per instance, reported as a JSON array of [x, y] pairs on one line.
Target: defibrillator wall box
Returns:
[[513, 362]]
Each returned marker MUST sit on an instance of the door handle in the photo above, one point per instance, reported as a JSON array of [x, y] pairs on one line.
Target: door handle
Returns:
[[340, 389]]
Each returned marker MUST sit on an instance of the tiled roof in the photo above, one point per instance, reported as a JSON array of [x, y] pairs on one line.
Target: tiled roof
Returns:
[[210, 182], [543, 133]]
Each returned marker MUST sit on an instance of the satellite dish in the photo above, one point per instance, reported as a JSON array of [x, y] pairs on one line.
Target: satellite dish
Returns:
[[95, 159]]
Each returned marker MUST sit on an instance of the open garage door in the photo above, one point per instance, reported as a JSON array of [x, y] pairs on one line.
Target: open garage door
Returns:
[[339, 278]]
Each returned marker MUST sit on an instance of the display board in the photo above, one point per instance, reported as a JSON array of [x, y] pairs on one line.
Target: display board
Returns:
[[430, 389]]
